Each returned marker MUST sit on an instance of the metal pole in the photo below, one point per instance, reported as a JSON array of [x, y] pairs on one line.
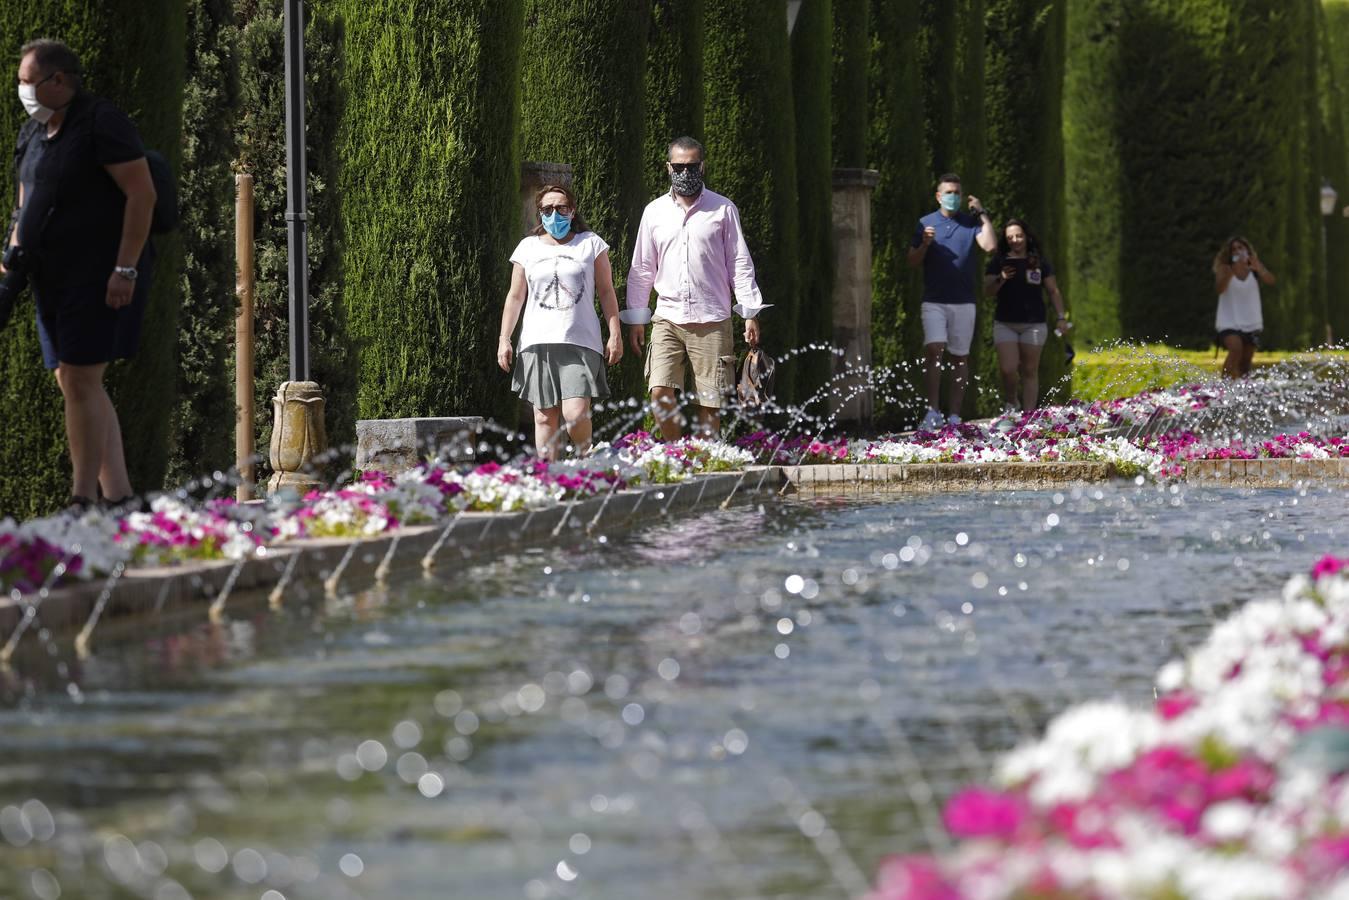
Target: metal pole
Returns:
[[297, 219], [244, 449]]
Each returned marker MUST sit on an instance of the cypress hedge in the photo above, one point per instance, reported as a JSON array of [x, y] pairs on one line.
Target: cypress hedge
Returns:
[[752, 154], [1334, 51], [848, 104], [1093, 178], [133, 54], [812, 80], [674, 85], [428, 197], [1184, 124], [204, 420], [260, 142], [592, 118], [1023, 102], [897, 147]]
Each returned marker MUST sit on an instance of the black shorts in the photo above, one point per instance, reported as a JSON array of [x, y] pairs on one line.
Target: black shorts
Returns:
[[76, 326], [1249, 338]]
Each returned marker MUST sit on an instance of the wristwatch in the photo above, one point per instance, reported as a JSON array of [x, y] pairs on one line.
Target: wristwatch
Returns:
[[127, 272]]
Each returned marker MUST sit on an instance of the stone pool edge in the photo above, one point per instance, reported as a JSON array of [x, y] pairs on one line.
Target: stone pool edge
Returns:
[[157, 589]]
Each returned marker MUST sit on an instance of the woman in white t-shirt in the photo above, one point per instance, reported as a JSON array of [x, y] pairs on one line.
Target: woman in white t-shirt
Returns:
[[556, 272], [1237, 273]]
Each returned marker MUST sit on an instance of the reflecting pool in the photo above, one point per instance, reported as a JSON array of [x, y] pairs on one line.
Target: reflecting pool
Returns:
[[754, 702]]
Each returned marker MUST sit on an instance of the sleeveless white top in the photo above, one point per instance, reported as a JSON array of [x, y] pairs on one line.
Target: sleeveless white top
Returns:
[[1239, 305]]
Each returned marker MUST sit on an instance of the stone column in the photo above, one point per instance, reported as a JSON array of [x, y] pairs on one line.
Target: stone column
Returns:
[[298, 435], [852, 291]]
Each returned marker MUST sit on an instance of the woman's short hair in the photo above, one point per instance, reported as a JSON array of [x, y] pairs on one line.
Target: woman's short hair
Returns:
[[54, 56], [578, 224]]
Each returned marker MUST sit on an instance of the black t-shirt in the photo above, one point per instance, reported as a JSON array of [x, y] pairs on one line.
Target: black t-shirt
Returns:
[[1022, 299], [71, 220]]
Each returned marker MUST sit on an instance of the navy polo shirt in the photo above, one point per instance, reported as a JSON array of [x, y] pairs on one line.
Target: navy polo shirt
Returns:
[[949, 267]]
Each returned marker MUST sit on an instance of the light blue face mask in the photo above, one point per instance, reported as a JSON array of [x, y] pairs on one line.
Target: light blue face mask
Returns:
[[950, 201], [556, 224]]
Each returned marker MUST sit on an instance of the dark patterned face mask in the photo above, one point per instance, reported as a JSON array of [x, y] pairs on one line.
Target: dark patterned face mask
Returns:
[[688, 182]]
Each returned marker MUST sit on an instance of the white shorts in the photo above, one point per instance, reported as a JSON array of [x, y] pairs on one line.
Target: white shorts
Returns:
[[951, 324], [1033, 334]]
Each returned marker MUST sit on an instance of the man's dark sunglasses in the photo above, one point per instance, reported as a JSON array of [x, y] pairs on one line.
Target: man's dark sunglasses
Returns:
[[684, 167], [549, 210]]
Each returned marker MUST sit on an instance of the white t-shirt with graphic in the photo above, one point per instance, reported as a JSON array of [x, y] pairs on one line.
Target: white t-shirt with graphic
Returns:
[[560, 307]]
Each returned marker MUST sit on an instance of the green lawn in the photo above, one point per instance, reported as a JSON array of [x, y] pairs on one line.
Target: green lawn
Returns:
[[1124, 371]]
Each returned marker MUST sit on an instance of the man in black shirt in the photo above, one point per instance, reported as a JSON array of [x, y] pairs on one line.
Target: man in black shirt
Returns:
[[86, 200]]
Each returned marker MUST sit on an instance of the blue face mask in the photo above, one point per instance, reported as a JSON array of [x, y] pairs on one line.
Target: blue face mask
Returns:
[[556, 224], [950, 201]]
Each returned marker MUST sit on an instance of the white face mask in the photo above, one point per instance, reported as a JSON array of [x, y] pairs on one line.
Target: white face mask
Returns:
[[28, 97]]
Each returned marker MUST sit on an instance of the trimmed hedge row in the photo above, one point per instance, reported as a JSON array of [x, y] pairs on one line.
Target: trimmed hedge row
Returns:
[[1185, 123], [895, 141], [812, 69], [1333, 69], [132, 51], [751, 151], [204, 419], [848, 106], [427, 190], [673, 85]]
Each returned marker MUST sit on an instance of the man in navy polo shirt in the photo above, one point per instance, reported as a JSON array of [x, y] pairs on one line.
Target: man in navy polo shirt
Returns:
[[944, 245]]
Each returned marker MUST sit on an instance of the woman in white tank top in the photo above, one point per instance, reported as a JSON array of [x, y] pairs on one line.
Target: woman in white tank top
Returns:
[[1237, 273]]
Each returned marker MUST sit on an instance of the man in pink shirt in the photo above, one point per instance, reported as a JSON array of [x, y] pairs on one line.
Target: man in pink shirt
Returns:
[[691, 250]]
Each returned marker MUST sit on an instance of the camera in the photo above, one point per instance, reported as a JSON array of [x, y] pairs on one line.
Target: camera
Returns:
[[17, 265], [17, 260]]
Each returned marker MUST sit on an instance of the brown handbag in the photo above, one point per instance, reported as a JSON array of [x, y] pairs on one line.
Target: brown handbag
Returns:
[[755, 388]]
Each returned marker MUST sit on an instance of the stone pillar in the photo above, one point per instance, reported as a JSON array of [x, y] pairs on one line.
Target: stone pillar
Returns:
[[852, 291], [298, 435]]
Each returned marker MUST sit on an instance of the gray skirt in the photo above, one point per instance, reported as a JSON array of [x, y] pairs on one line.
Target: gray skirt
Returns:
[[546, 374]]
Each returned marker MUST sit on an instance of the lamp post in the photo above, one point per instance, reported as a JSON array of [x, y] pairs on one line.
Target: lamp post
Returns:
[[1329, 198], [298, 432]]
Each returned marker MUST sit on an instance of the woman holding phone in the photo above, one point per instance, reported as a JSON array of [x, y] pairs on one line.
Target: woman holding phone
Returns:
[[556, 272], [1019, 275], [1237, 275]]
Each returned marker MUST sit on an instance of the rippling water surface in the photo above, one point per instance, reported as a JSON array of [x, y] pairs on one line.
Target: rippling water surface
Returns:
[[755, 702]]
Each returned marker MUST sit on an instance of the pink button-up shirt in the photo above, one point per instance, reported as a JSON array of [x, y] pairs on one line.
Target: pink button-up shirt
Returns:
[[694, 258]]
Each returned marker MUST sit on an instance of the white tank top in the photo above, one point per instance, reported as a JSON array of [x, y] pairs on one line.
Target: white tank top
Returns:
[[1239, 305]]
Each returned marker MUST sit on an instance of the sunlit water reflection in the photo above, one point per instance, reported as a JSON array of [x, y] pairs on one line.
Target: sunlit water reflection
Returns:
[[755, 702]]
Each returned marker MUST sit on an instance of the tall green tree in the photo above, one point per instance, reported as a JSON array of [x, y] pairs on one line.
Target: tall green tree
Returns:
[[812, 79], [203, 422], [674, 84], [428, 192], [751, 143], [1185, 123], [1023, 102], [897, 147], [848, 106], [133, 53], [592, 118], [1334, 95]]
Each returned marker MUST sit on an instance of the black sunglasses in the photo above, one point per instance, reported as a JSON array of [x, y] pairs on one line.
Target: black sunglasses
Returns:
[[684, 167], [549, 210]]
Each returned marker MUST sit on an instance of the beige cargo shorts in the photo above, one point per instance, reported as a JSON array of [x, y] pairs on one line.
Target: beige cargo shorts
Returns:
[[707, 348]]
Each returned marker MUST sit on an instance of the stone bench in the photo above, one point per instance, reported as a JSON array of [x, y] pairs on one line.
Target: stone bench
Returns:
[[396, 445]]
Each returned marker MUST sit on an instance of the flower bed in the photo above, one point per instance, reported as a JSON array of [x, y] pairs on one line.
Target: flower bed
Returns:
[[1233, 785], [46, 551]]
